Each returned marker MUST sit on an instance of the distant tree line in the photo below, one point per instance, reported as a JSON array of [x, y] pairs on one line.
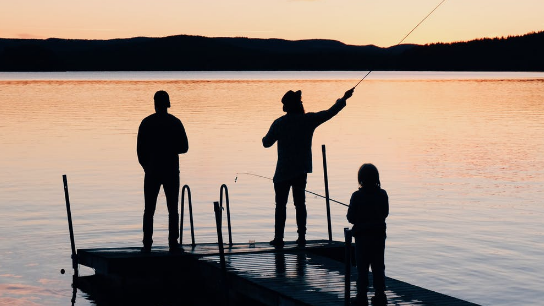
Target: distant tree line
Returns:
[[179, 53], [513, 53]]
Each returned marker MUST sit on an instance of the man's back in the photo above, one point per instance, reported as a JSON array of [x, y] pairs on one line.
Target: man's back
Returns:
[[161, 137]]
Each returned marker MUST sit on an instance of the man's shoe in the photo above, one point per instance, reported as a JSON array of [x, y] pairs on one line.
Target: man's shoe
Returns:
[[359, 301], [175, 248], [277, 243], [145, 249], [379, 299], [301, 241]]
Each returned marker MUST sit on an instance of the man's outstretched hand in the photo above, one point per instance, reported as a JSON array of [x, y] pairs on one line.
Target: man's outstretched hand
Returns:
[[348, 94]]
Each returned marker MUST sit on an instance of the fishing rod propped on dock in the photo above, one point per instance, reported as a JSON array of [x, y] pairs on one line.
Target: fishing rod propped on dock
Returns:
[[308, 191]]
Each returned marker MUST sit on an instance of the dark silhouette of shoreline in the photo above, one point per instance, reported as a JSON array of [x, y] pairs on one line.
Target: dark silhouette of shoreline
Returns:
[[197, 53]]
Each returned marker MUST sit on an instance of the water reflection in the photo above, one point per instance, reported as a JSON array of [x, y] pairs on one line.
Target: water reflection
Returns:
[[289, 268], [463, 160], [21, 294]]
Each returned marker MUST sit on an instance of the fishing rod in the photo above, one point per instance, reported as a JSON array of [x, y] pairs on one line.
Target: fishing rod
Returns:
[[308, 191], [422, 20]]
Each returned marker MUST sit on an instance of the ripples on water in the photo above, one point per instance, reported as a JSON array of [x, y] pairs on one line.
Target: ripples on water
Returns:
[[460, 154]]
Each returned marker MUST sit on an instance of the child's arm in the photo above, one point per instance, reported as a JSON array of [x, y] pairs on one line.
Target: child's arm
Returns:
[[352, 210], [386, 205]]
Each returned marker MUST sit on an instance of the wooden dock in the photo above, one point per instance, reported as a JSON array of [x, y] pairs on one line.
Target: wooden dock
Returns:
[[313, 275]]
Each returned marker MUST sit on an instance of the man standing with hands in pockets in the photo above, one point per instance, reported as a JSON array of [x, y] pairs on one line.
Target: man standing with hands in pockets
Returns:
[[161, 138]]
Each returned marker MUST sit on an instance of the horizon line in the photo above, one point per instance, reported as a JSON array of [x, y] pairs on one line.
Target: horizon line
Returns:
[[270, 38]]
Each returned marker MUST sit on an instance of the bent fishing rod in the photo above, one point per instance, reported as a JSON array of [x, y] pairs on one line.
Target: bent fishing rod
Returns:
[[308, 191], [400, 42]]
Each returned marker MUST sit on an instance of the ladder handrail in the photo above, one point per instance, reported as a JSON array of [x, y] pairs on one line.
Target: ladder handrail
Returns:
[[224, 187], [186, 187]]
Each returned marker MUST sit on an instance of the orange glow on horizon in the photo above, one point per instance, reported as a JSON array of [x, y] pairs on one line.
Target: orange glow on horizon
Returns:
[[349, 21]]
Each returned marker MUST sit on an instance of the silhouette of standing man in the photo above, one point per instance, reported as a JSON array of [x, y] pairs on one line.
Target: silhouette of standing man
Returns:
[[293, 132], [161, 138]]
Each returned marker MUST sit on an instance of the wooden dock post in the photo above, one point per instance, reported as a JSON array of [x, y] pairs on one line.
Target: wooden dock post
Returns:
[[325, 176], [218, 220], [347, 262], [70, 227]]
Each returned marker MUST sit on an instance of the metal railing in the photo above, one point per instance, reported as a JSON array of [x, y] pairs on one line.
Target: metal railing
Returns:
[[186, 187], [226, 192], [218, 209]]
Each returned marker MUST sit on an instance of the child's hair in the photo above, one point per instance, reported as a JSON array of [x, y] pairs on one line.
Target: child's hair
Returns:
[[368, 176]]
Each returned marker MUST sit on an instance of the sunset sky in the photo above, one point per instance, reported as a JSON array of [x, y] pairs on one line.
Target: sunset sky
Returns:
[[358, 22]]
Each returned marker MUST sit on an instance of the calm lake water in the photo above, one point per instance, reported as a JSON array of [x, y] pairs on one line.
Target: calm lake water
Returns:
[[460, 154]]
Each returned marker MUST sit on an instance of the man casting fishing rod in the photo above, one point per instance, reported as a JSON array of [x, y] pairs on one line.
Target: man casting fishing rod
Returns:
[[293, 132]]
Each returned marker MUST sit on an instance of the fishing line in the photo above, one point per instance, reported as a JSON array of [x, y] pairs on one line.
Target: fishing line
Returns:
[[422, 20], [308, 191], [406, 36]]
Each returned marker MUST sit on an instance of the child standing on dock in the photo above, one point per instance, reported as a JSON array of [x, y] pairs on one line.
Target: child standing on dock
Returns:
[[368, 209]]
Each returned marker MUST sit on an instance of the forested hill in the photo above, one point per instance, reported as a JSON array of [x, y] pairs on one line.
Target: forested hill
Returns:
[[516, 53]]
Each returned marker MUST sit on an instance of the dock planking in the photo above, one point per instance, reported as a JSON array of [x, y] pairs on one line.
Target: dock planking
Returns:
[[313, 275]]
